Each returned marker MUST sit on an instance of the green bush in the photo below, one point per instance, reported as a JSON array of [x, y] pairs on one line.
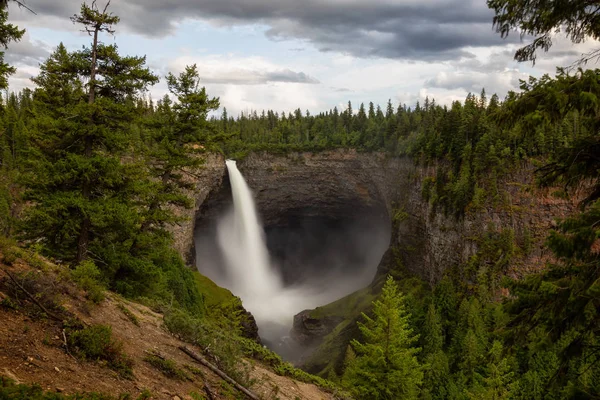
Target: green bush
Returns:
[[89, 278], [96, 343]]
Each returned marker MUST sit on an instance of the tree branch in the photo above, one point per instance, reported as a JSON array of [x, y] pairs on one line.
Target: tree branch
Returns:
[[21, 4], [51, 315]]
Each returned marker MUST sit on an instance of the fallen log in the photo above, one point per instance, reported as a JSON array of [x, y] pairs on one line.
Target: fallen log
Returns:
[[217, 371]]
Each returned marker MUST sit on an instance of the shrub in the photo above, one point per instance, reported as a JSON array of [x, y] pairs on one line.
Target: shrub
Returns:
[[88, 277], [96, 343]]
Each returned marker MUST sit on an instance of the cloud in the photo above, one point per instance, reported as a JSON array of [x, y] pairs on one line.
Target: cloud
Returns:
[[406, 29], [473, 82], [27, 51], [22, 78], [246, 77], [249, 77], [230, 69]]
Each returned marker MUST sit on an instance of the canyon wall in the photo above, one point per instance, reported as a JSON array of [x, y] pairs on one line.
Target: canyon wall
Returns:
[[343, 184]]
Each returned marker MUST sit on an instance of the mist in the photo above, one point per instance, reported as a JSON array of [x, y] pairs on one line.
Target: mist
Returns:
[[305, 262]]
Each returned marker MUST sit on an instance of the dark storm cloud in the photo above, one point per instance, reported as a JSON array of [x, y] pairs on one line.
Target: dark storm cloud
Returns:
[[397, 29]]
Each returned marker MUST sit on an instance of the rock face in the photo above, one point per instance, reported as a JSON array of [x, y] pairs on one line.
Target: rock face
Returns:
[[314, 208], [306, 329], [343, 183], [334, 183], [206, 179], [429, 241]]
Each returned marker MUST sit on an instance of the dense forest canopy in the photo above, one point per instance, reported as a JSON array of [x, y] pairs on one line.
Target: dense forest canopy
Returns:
[[91, 170]]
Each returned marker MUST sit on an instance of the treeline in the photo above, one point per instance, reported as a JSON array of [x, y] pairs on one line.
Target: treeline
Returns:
[[470, 143]]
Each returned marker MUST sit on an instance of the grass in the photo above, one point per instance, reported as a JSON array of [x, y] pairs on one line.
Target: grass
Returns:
[[131, 316], [213, 295], [196, 371], [346, 307], [10, 390], [96, 343], [168, 367]]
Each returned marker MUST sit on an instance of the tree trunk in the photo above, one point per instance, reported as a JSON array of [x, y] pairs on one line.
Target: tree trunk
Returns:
[[92, 93], [84, 233], [84, 240]]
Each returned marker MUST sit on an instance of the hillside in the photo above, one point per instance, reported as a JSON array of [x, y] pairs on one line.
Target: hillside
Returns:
[[36, 348]]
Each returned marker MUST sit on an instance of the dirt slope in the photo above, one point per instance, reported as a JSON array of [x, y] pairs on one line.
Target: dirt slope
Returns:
[[32, 349]]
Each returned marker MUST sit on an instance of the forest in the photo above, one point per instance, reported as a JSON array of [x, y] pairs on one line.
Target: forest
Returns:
[[91, 169]]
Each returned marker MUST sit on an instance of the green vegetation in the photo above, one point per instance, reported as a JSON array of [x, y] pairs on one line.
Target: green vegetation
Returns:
[[88, 277], [385, 366], [168, 367], [542, 18], [97, 344], [11, 391]]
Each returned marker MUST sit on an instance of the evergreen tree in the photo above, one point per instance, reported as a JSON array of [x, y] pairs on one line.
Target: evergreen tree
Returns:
[[81, 190], [437, 369], [180, 136], [8, 33], [386, 366], [578, 19], [497, 383]]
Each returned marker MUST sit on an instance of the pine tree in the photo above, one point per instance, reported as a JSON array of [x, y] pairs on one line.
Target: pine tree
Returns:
[[81, 189], [9, 146], [436, 370], [8, 33], [386, 366], [543, 19], [179, 138], [496, 385]]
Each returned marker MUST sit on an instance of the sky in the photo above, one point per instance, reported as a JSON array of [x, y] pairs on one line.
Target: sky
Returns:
[[307, 54]]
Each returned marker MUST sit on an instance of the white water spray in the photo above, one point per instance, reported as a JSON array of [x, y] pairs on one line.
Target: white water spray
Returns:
[[242, 241], [251, 275]]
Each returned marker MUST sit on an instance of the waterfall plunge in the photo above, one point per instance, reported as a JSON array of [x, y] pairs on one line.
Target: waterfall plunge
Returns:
[[242, 242], [251, 275]]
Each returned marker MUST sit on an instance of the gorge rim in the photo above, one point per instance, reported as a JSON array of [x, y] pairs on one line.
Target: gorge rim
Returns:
[[298, 259]]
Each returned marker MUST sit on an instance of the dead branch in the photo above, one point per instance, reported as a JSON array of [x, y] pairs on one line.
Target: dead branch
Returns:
[[208, 391], [217, 371], [67, 346], [21, 4], [106, 7], [51, 315]]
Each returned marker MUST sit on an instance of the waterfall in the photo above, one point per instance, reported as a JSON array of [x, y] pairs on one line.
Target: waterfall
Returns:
[[242, 241], [250, 274]]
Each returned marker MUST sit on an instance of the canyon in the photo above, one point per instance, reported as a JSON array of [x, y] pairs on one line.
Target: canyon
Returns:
[[343, 212]]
